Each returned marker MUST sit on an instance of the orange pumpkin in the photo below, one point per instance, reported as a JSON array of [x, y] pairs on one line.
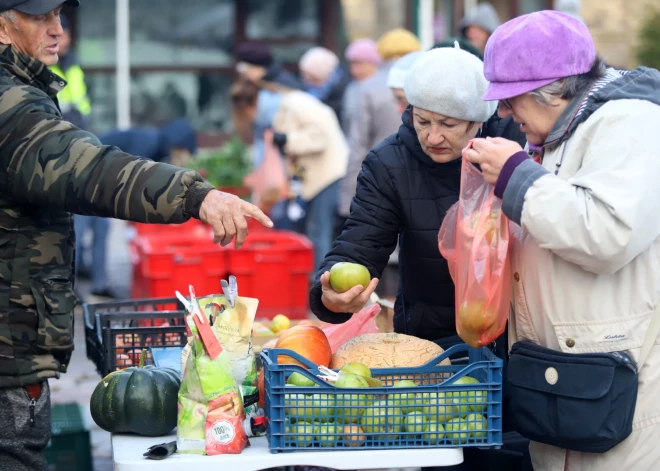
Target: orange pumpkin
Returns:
[[308, 341]]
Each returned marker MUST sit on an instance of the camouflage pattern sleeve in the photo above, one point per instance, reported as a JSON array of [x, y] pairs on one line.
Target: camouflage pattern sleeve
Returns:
[[52, 164]]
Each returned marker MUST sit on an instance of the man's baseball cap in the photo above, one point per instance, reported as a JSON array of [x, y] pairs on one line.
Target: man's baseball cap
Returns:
[[35, 7]]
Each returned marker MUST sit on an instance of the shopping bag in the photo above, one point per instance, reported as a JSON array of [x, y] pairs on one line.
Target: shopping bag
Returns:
[[210, 409], [269, 182], [363, 322], [474, 238]]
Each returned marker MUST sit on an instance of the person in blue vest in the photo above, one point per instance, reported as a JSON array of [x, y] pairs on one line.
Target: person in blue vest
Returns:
[[73, 100]]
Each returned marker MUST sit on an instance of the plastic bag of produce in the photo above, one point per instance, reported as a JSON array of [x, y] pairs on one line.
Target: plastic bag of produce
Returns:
[[211, 414], [474, 238], [363, 322]]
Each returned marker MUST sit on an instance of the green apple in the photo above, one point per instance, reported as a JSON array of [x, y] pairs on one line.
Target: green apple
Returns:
[[457, 430], [297, 379], [299, 406], [477, 425], [381, 419], [323, 407], [351, 380], [357, 368], [345, 275], [416, 422], [408, 402], [434, 433], [469, 401], [328, 434], [351, 406], [438, 406], [303, 434]]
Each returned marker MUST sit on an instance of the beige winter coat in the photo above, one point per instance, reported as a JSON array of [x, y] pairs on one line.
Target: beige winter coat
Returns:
[[586, 262], [314, 141]]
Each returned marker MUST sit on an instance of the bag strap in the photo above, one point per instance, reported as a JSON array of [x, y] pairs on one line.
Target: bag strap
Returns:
[[650, 338]]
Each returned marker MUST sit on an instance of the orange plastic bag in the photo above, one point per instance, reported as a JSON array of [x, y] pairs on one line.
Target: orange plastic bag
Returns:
[[269, 182], [363, 322], [474, 238]]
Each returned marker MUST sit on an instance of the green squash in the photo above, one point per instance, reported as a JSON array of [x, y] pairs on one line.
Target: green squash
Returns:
[[140, 400]]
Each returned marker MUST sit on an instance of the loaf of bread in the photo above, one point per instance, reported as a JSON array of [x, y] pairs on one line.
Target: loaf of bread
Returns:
[[387, 351]]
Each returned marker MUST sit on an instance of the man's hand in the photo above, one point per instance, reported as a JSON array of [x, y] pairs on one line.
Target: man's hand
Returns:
[[226, 214], [491, 154], [351, 301]]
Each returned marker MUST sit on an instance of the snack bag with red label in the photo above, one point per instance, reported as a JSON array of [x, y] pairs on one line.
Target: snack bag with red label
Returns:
[[474, 238], [210, 408]]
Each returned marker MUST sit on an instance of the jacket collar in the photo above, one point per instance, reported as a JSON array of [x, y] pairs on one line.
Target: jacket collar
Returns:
[[563, 123], [30, 71], [581, 107]]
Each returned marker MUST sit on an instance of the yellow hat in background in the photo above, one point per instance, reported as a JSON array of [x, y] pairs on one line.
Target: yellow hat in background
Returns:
[[397, 43]]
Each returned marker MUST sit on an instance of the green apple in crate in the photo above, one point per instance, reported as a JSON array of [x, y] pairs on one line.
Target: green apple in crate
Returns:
[[297, 379], [353, 404], [357, 368], [323, 406], [477, 425], [299, 407], [303, 433], [350, 407], [381, 418], [438, 406], [408, 402], [416, 422], [327, 435], [435, 432], [469, 401], [457, 430]]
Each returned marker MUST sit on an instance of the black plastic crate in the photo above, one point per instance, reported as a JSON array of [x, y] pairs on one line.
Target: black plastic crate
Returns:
[[116, 332]]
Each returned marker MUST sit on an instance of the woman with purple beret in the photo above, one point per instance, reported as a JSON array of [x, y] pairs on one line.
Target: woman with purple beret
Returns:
[[585, 194]]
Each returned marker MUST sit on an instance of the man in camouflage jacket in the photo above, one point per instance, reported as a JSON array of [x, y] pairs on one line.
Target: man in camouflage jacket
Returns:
[[50, 169]]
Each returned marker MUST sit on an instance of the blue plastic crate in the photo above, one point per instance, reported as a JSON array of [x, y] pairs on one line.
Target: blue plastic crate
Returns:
[[325, 417]]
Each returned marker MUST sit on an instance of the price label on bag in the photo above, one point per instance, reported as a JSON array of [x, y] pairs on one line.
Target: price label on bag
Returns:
[[210, 341]]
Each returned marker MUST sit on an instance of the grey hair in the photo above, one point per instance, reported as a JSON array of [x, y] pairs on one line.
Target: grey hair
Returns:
[[569, 87], [9, 15]]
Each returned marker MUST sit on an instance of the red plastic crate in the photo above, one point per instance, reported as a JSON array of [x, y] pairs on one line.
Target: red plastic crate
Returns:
[[163, 264], [275, 267], [174, 229]]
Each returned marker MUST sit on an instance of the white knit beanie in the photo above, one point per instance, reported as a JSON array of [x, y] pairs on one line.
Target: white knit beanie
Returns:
[[319, 62], [396, 77], [449, 82]]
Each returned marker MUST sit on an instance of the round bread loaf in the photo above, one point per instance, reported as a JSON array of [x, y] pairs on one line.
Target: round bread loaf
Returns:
[[387, 351]]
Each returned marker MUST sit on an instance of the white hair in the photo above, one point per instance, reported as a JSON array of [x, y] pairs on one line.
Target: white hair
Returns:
[[568, 87]]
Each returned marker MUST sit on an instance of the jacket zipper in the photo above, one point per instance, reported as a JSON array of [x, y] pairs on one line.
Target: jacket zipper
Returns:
[[33, 403]]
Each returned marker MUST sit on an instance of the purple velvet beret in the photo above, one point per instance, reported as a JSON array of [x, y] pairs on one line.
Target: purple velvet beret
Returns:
[[534, 50]]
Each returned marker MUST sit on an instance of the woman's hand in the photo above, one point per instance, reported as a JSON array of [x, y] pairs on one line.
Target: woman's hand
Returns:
[[351, 301], [491, 154]]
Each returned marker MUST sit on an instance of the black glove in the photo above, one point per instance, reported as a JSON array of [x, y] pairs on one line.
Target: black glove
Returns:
[[279, 139], [160, 452]]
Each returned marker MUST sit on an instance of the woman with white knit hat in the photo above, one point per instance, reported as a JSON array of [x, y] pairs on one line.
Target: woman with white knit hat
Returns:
[[407, 184]]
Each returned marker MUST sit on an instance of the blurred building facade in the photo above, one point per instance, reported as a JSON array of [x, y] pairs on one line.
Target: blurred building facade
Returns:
[[615, 26], [181, 53]]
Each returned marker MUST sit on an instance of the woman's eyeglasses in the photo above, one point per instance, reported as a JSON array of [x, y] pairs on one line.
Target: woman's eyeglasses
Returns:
[[507, 104]]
